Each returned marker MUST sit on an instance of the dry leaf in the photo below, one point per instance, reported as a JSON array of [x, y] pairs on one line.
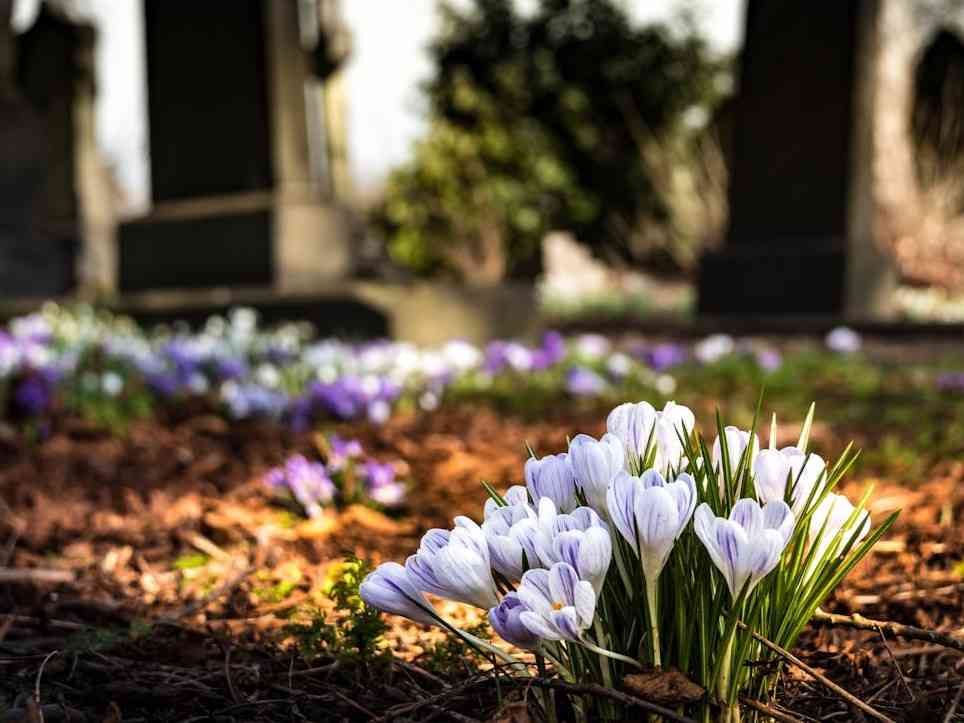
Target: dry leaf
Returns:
[[669, 687]]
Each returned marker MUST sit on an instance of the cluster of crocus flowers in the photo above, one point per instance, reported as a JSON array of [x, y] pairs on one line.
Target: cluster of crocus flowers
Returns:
[[345, 477], [646, 547]]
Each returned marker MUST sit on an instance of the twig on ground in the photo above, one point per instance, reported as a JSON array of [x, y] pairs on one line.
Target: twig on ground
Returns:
[[40, 674], [766, 710], [35, 575], [859, 622], [227, 676], [954, 703], [849, 697]]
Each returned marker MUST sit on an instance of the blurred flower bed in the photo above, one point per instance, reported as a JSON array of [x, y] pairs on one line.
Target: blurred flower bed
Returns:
[[109, 372]]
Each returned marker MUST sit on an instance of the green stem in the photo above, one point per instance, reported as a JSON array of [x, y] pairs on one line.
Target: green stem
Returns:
[[603, 663], [652, 590], [610, 654]]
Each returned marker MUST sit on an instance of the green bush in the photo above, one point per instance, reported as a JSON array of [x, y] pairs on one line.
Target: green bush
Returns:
[[543, 122]]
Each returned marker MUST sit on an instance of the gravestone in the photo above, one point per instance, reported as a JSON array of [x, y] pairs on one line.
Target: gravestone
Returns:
[[38, 204], [236, 200], [801, 237]]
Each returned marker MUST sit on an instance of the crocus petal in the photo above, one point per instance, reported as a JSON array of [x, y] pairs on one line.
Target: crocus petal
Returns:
[[770, 472], [585, 603], [621, 501], [566, 621], [390, 588], [562, 583], [595, 554], [657, 522], [538, 625]]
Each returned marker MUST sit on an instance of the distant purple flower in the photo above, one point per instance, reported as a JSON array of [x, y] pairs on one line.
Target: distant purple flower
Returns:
[[32, 396], [381, 484], [252, 400], [951, 382], [664, 356], [342, 451], [583, 382], [550, 352], [769, 359], [308, 482], [230, 368]]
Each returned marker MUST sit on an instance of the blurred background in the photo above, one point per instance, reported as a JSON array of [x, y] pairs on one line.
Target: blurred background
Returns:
[[365, 162]]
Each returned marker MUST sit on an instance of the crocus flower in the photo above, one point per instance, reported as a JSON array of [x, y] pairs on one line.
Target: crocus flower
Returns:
[[455, 565], [634, 425], [511, 532], [560, 605], [663, 356], [583, 382], [713, 348], [505, 619], [308, 482], [515, 495], [552, 477], [595, 464], [774, 469], [588, 552], [747, 546], [674, 424], [651, 514], [391, 588], [831, 517], [843, 340], [736, 443]]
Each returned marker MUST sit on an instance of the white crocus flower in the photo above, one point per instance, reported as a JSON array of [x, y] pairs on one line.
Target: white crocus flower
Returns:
[[511, 533], [515, 495], [835, 515], [774, 470], [736, 444], [674, 421], [634, 425], [651, 514], [390, 588], [559, 605], [595, 463], [552, 477], [455, 565], [746, 546]]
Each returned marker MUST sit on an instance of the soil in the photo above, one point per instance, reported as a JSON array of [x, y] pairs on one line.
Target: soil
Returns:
[[146, 570]]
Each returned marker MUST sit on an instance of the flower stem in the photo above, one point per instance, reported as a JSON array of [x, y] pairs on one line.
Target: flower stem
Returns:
[[610, 654], [603, 663], [651, 593]]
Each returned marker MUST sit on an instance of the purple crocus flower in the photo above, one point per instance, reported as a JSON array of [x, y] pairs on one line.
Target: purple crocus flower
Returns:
[[381, 484], [32, 396], [951, 382], [342, 451], [769, 359], [664, 356], [583, 382], [308, 482]]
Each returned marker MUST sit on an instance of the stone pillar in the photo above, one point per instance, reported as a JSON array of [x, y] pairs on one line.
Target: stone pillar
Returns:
[[310, 235], [801, 237]]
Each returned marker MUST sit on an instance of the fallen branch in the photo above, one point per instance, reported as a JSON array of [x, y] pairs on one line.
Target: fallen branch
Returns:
[[766, 710], [571, 688], [790, 657], [859, 622], [35, 575]]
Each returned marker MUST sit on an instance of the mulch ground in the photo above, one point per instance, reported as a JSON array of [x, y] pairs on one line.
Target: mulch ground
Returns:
[[145, 572]]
